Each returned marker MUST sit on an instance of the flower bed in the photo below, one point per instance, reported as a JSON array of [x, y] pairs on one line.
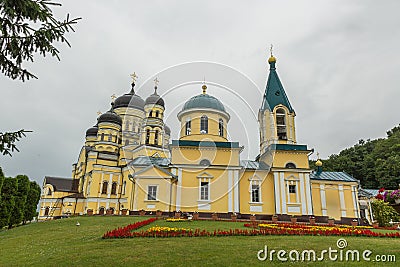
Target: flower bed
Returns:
[[340, 230], [126, 231], [176, 220], [264, 229]]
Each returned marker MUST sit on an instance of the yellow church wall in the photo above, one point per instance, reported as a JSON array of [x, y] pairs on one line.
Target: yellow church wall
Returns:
[[193, 155], [218, 190], [213, 125], [281, 158], [334, 207], [163, 195], [266, 205]]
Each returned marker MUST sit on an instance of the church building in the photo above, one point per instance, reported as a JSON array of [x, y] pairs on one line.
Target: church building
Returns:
[[128, 164]]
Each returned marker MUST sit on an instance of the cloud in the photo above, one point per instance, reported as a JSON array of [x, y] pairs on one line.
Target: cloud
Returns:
[[338, 62]]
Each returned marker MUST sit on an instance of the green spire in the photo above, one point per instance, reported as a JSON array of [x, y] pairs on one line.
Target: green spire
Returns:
[[274, 92]]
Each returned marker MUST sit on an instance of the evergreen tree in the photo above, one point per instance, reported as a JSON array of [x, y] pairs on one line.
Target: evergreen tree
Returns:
[[32, 200], [29, 28], [8, 192], [19, 200]]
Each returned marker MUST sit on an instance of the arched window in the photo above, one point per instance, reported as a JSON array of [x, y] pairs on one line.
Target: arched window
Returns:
[[156, 138], [109, 138], [114, 188], [49, 192], [151, 113], [290, 165], [221, 127], [104, 188], [281, 124], [126, 125], [204, 124], [157, 113], [102, 137], [188, 127], [147, 136], [126, 142]]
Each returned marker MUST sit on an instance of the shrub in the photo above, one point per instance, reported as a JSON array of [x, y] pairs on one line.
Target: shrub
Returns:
[[384, 213]]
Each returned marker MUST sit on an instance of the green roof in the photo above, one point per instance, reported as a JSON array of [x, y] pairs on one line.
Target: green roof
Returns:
[[288, 147], [274, 92], [205, 144], [204, 101]]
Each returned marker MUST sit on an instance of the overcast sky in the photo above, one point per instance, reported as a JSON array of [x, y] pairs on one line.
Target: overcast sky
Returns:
[[338, 61]]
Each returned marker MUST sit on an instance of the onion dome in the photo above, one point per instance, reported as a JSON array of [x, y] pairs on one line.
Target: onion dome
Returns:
[[167, 130], [131, 100], [204, 101], [155, 99], [92, 131], [318, 163], [110, 116]]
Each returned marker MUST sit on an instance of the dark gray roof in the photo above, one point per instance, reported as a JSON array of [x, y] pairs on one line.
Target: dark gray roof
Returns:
[[62, 184], [254, 165], [144, 160], [332, 176]]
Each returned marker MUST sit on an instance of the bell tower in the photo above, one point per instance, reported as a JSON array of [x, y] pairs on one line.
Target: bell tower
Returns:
[[276, 115]]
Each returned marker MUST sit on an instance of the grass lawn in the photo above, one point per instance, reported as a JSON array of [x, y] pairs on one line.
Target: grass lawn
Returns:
[[61, 243]]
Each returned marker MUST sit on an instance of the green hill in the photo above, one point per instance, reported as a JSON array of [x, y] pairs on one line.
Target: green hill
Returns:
[[62, 243]]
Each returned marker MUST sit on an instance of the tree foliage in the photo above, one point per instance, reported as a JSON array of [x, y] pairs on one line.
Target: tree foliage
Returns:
[[29, 27], [376, 163], [32, 199], [19, 198], [8, 139], [8, 192]]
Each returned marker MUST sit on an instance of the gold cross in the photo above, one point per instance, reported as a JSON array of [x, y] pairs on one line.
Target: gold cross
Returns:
[[156, 81], [99, 112], [270, 49], [318, 155], [134, 77], [113, 97]]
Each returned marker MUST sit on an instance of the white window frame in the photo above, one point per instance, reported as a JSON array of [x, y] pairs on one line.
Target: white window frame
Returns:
[[256, 181], [148, 192], [201, 190], [205, 177]]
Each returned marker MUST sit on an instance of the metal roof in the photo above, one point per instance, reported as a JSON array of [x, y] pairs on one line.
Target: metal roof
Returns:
[[144, 160], [332, 176], [253, 165], [62, 184], [274, 92], [368, 192], [204, 101]]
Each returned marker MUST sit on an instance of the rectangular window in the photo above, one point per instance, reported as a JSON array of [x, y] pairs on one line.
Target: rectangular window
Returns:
[[204, 124], [292, 188], [204, 190], [255, 193], [152, 192]]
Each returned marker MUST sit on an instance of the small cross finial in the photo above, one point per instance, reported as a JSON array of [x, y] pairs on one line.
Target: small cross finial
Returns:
[[156, 81], [134, 77], [99, 112], [113, 97], [318, 155], [270, 49]]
